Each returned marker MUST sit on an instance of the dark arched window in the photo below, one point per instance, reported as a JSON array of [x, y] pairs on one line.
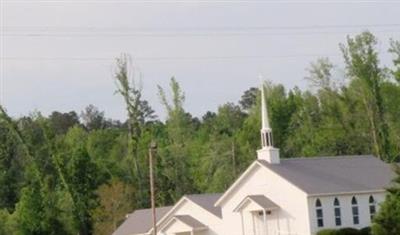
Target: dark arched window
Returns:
[[354, 209], [319, 213], [338, 214], [372, 207]]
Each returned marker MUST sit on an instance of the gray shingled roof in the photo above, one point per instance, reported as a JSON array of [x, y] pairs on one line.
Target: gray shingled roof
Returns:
[[326, 175], [207, 201], [263, 201], [140, 221], [190, 221]]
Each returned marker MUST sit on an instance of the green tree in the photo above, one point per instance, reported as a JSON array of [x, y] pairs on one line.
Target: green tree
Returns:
[[320, 74], [61, 122], [82, 179], [386, 222], [218, 163], [249, 98], [36, 212], [93, 119], [37, 196], [139, 111], [176, 163], [281, 109], [395, 50], [304, 127], [362, 66], [5, 222], [337, 127], [11, 175], [101, 146], [115, 204]]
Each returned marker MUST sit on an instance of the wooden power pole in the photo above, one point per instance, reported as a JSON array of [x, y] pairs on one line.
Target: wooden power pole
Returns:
[[152, 150]]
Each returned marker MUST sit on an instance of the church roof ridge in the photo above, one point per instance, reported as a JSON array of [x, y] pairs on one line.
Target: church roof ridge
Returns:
[[202, 194], [328, 157]]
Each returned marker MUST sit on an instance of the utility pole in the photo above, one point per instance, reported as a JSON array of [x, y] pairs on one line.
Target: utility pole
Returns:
[[152, 150]]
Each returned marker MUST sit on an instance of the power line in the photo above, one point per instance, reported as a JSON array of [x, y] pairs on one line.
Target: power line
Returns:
[[200, 1], [94, 31], [166, 58], [177, 34], [223, 31], [191, 29]]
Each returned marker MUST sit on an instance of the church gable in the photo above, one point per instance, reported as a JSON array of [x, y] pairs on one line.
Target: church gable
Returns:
[[238, 183], [190, 212], [260, 177]]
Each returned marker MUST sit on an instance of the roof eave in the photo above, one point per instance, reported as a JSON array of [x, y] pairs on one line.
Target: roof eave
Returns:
[[248, 198], [161, 220], [236, 183], [174, 208], [347, 193]]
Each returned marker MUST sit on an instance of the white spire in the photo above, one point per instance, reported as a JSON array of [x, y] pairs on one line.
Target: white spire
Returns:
[[264, 111], [267, 151]]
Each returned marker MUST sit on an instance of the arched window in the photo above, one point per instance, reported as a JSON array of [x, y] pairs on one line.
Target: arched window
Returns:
[[319, 213], [372, 207], [338, 215], [354, 209]]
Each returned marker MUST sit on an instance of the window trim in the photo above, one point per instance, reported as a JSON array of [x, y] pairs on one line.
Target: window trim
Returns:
[[372, 207], [337, 212], [319, 210], [355, 210]]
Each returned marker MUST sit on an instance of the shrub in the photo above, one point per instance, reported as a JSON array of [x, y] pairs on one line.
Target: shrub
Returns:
[[6, 222], [365, 231], [348, 231], [386, 222], [345, 231], [328, 232]]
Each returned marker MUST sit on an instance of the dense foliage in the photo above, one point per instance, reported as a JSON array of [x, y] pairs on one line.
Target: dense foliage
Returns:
[[80, 174], [346, 231], [387, 220]]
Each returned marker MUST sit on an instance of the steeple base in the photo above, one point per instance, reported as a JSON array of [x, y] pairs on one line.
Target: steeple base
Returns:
[[269, 154]]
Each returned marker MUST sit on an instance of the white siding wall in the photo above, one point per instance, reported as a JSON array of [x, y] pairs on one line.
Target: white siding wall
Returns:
[[175, 228], [189, 208], [346, 210], [293, 214]]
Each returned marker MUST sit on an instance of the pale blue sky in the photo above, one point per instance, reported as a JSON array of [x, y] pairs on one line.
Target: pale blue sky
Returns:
[[58, 54]]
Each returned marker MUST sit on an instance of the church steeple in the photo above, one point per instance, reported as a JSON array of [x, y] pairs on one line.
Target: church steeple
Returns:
[[266, 131], [267, 151]]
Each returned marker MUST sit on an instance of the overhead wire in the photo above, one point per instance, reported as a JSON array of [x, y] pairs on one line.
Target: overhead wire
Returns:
[[166, 58], [77, 31], [214, 28], [200, 1]]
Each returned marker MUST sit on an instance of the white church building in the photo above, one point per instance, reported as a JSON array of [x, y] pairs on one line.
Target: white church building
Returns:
[[296, 196]]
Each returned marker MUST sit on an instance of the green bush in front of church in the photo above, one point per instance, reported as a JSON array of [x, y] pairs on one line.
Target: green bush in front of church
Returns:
[[345, 231], [387, 221], [327, 232]]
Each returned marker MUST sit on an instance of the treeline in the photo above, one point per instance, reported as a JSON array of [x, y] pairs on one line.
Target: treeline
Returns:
[[71, 173]]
